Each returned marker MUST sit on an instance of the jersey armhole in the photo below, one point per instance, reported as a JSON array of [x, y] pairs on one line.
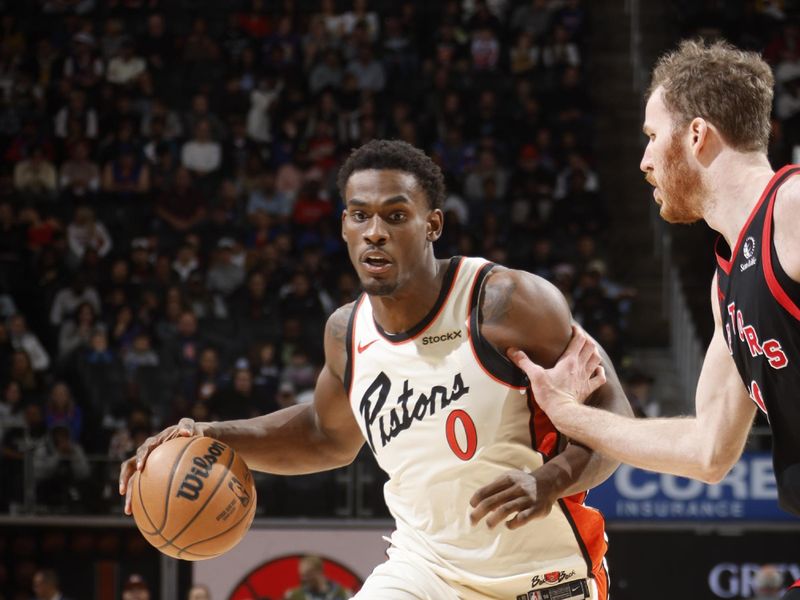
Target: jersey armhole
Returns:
[[494, 364]]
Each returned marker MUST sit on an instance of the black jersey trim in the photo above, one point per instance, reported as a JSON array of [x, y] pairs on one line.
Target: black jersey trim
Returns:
[[494, 364], [777, 180], [348, 345], [444, 293]]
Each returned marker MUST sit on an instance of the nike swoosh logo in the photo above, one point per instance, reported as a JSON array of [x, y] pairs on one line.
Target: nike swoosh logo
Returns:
[[365, 346]]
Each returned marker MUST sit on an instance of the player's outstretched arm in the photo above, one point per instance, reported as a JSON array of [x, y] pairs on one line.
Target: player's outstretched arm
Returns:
[[704, 447], [524, 311], [306, 438]]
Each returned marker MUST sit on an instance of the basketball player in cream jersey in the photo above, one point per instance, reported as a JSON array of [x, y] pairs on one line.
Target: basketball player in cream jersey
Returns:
[[487, 495]]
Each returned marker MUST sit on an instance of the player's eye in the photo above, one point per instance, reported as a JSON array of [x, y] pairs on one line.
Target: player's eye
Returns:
[[397, 217], [358, 216]]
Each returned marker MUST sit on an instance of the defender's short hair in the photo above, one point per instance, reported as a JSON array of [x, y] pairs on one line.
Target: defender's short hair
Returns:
[[730, 88]]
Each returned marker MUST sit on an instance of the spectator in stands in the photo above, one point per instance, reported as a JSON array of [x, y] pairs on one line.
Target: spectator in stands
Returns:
[[46, 585], [200, 111], [265, 197], [80, 176], [140, 354], [11, 407], [25, 340], [300, 372], [237, 401], [85, 233], [135, 588], [202, 155], [199, 46], [17, 441], [186, 262], [36, 177], [127, 69], [485, 50], [82, 66], [368, 71], [62, 411], [77, 331], [76, 111], [126, 177], [312, 205], [768, 583], [226, 273], [532, 17], [158, 109], [198, 591], [209, 376], [112, 39], [68, 299], [156, 47], [183, 207], [265, 93], [316, 43], [41, 232]]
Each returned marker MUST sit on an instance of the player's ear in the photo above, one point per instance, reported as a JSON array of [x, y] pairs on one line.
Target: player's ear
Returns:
[[435, 224], [699, 132], [344, 216]]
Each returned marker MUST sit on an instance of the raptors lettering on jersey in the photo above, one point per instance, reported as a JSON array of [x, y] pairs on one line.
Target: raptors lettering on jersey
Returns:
[[770, 348]]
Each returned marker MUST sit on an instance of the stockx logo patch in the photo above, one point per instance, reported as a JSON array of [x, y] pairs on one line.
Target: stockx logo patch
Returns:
[[445, 337]]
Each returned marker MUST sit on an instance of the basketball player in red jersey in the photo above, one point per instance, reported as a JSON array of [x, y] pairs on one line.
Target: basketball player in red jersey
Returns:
[[416, 368], [708, 122]]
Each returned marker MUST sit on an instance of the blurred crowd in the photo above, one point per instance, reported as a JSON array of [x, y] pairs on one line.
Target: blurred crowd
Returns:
[[169, 220], [771, 27]]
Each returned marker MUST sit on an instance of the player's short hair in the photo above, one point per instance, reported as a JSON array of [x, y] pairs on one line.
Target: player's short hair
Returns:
[[396, 155], [730, 88]]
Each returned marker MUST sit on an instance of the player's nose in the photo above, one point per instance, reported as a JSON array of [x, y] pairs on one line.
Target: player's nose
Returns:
[[376, 233], [646, 164]]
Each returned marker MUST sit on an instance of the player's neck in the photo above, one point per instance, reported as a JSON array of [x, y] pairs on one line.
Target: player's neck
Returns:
[[735, 181], [405, 308]]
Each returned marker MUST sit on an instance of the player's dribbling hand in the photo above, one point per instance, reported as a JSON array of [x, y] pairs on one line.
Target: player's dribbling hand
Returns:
[[185, 428], [515, 492], [576, 375]]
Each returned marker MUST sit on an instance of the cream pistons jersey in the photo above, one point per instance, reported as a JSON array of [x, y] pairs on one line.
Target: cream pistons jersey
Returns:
[[445, 414]]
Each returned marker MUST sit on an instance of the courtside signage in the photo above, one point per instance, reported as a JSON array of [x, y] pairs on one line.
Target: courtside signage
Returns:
[[747, 493]]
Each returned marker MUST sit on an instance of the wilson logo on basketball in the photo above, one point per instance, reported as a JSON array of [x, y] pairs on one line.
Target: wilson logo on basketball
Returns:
[[193, 481]]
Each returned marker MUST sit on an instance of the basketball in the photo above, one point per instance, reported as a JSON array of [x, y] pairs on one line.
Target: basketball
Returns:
[[194, 499]]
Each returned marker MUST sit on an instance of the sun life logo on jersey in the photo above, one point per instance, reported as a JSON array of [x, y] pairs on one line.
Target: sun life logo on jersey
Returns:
[[749, 251]]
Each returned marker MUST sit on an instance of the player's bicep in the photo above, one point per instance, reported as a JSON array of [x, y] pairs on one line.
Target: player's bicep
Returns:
[[334, 418]]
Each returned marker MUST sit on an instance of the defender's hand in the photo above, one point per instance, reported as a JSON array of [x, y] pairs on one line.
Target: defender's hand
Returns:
[[576, 375], [185, 428], [515, 492]]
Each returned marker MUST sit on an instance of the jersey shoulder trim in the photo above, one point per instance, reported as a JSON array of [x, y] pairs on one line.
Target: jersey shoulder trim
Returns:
[[775, 288], [777, 180]]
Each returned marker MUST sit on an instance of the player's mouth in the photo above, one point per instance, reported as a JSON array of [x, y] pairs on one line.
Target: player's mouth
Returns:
[[376, 262]]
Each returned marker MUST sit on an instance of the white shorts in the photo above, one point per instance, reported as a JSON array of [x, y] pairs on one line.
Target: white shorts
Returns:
[[407, 577]]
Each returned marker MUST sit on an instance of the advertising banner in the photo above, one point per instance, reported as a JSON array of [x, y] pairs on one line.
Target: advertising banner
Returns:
[[748, 493]]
